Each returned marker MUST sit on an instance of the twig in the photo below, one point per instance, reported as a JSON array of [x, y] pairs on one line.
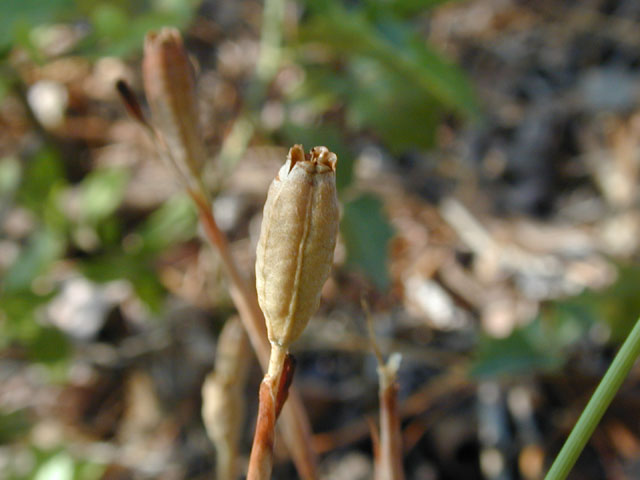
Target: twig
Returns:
[[388, 451], [273, 394], [390, 466], [444, 386]]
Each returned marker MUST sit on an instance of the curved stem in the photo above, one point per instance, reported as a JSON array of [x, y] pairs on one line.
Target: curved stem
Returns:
[[597, 405], [273, 393], [294, 424]]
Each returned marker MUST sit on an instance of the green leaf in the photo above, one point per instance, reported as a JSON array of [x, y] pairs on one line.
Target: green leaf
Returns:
[[43, 173], [120, 31], [13, 426], [367, 233], [398, 49], [525, 351], [110, 231], [402, 117], [89, 471], [59, 467], [118, 28], [49, 346], [322, 89], [17, 316], [547, 340], [403, 8], [618, 306], [175, 221], [376, 99], [102, 192], [110, 20], [19, 13], [44, 248], [137, 268], [9, 175]]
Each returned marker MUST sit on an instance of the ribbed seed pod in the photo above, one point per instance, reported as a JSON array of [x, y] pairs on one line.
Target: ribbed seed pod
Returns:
[[223, 405], [169, 84], [297, 240]]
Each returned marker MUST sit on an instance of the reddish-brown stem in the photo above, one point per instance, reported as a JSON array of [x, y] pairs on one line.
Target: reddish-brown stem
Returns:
[[389, 461], [388, 447], [261, 461], [285, 383], [273, 394], [245, 301], [295, 424]]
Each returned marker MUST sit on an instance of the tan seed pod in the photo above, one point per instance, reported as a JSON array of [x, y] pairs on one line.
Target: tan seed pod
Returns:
[[169, 84], [223, 403], [297, 240]]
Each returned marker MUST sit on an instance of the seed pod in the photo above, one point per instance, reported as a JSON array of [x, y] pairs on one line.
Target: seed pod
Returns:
[[169, 84], [297, 239], [223, 402]]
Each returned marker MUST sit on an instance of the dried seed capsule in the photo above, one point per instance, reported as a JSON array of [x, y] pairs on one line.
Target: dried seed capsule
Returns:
[[297, 239], [223, 405], [169, 84]]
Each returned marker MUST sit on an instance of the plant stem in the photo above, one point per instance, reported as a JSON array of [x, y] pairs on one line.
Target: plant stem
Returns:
[[295, 424], [388, 445], [273, 391], [597, 405], [270, 40], [389, 463]]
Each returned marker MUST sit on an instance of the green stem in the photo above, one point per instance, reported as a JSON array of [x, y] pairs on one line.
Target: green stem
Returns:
[[269, 59], [270, 54], [596, 407]]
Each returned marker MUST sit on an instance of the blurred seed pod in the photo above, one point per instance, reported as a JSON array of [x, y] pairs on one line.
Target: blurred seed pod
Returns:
[[169, 85], [297, 240], [223, 404]]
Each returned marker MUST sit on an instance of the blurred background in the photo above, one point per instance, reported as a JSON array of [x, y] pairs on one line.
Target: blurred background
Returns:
[[489, 155]]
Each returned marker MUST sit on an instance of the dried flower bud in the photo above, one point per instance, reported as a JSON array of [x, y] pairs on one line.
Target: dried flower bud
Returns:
[[297, 239], [169, 85], [223, 405]]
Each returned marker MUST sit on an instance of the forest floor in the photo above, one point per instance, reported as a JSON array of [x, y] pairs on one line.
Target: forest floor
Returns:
[[511, 265]]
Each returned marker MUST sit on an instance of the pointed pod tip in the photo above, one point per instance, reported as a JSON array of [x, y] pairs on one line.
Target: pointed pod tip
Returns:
[[165, 33], [324, 158], [130, 101], [296, 155], [320, 159], [166, 37]]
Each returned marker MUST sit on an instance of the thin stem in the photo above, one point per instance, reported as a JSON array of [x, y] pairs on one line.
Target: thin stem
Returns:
[[389, 466], [273, 392], [270, 40], [245, 302], [388, 445], [276, 362], [597, 405], [295, 424]]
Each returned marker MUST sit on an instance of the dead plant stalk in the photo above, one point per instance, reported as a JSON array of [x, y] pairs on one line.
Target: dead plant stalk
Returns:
[[388, 445], [170, 90], [293, 260]]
